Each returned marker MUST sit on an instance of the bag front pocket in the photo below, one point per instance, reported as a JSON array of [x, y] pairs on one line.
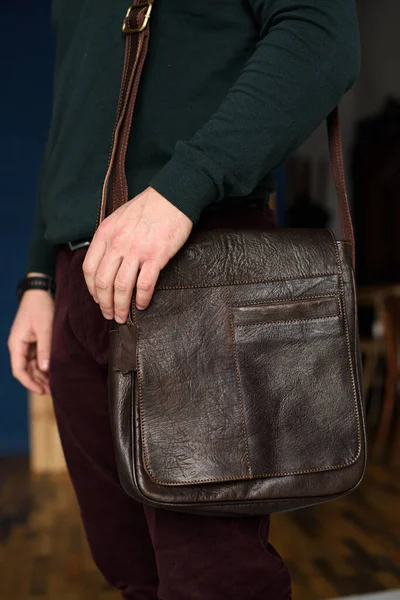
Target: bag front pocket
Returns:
[[286, 310], [297, 386]]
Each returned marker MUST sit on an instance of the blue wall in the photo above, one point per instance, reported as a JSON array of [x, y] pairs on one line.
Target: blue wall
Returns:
[[26, 65]]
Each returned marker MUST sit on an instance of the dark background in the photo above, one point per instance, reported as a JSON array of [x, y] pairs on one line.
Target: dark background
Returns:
[[26, 67]]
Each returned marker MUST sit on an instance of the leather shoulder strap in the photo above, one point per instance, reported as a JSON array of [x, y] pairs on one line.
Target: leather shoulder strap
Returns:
[[337, 164], [115, 189], [136, 30]]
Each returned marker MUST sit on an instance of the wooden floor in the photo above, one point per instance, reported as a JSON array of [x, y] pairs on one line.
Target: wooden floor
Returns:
[[344, 547], [349, 546]]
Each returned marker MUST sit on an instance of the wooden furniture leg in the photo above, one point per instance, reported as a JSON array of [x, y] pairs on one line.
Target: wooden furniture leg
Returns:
[[382, 436], [46, 455], [390, 314]]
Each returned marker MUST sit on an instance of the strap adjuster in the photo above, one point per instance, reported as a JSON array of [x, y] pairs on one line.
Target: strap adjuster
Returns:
[[126, 29]]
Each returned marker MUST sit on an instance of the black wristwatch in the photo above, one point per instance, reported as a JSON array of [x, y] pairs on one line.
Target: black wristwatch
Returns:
[[36, 282]]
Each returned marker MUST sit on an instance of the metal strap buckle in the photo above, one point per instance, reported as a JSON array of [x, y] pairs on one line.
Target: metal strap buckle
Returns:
[[125, 25], [76, 245]]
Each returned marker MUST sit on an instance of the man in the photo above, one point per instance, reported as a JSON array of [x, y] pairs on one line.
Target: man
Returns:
[[230, 89]]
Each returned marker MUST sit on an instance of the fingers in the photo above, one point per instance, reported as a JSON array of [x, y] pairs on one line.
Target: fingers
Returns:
[[43, 346], [19, 366], [39, 376], [104, 281], [146, 283], [93, 258], [123, 288], [101, 265]]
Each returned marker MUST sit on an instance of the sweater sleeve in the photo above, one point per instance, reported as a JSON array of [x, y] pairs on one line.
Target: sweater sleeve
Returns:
[[306, 58], [41, 254]]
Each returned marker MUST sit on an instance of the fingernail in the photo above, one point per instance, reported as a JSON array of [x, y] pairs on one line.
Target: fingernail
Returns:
[[119, 320], [140, 307], [44, 365]]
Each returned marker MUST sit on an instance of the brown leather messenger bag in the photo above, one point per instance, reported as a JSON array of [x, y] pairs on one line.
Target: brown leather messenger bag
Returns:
[[238, 391]]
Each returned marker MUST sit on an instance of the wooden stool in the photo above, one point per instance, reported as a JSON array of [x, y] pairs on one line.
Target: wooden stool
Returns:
[[46, 455]]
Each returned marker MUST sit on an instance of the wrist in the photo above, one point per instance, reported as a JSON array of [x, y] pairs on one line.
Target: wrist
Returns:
[[34, 274], [187, 187]]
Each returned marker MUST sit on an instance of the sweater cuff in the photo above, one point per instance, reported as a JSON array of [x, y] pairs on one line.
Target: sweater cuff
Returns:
[[185, 186], [41, 258]]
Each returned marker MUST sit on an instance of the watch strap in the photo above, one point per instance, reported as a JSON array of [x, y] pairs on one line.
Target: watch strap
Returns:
[[36, 282]]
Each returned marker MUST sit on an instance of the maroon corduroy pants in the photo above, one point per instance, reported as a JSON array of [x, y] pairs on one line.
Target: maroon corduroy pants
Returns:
[[144, 552]]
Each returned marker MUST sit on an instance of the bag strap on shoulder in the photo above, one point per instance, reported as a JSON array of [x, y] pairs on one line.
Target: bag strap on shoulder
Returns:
[[115, 189]]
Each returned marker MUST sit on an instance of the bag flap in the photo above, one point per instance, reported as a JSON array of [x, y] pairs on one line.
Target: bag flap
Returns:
[[219, 257]]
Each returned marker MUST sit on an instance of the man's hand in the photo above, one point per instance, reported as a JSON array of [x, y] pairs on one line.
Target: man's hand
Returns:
[[142, 235], [30, 340]]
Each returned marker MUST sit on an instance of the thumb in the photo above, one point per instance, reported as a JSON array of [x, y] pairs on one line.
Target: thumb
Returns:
[[43, 348]]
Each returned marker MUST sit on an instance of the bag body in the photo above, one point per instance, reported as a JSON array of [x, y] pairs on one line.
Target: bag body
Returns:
[[238, 390]]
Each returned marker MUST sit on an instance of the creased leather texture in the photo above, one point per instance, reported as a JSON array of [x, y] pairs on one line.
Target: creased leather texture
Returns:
[[233, 414], [239, 390]]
